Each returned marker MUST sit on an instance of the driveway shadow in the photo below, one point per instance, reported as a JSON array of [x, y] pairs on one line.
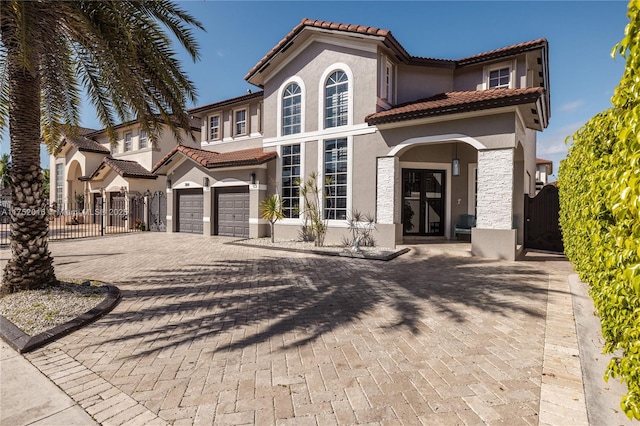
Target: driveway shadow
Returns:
[[309, 297]]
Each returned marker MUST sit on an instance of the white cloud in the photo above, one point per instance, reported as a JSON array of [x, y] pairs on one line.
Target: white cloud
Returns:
[[220, 53], [572, 106]]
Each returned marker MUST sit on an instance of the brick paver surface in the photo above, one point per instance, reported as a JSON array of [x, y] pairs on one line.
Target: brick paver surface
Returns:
[[209, 332]]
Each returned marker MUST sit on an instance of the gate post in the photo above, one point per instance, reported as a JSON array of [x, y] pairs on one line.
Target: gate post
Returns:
[[146, 211]]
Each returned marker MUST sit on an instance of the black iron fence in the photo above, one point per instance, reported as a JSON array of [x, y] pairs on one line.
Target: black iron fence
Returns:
[[112, 214]]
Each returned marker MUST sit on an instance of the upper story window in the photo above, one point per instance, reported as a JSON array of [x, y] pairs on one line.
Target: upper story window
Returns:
[[127, 141], [214, 128], [240, 121], [336, 105], [388, 76], [59, 184], [291, 109], [143, 139], [499, 78]]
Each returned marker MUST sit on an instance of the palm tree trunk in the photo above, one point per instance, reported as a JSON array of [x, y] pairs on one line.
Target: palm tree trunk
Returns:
[[31, 264]]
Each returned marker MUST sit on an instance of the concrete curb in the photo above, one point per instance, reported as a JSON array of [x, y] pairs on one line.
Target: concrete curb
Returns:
[[344, 253], [23, 343]]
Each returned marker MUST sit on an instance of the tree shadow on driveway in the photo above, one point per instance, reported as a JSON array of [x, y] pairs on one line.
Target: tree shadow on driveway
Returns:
[[235, 304]]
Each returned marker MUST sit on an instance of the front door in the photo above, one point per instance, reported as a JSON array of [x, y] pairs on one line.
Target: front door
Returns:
[[423, 204]]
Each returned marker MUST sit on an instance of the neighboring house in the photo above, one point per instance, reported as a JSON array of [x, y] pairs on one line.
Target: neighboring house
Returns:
[[544, 168], [414, 141], [87, 168]]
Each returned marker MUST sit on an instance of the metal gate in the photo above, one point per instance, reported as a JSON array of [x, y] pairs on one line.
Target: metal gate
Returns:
[[542, 215], [157, 219]]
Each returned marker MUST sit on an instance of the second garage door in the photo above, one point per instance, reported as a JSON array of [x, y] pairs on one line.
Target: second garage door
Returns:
[[190, 204], [233, 212]]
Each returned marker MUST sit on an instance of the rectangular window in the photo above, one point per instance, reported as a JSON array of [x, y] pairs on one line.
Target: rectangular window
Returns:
[[241, 122], [388, 82], [214, 127], [143, 139], [335, 173], [127, 142], [291, 181], [59, 184], [499, 79]]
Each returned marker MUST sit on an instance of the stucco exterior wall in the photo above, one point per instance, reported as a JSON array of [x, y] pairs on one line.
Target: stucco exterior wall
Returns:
[[309, 65], [415, 83], [493, 131]]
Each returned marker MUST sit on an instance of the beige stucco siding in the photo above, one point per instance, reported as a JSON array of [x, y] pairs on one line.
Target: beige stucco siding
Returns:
[[309, 65], [415, 83], [494, 131]]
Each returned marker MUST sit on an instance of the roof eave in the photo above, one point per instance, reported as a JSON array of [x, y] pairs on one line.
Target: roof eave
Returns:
[[454, 109]]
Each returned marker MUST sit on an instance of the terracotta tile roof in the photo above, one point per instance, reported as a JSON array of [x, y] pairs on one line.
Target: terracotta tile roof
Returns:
[[543, 161], [85, 144], [214, 160], [226, 102], [125, 168], [392, 43], [456, 102], [334, 26], [514, 49]]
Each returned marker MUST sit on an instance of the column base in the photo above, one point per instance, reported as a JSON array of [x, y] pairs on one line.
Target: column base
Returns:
[[494, 243]]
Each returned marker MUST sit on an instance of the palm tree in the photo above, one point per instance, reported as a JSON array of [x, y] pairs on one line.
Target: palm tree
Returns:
[[5, 170], [120, 53], [272, 211]]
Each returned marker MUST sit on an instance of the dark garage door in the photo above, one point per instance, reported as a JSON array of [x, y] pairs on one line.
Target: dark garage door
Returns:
[[233, 212], [190, 206]]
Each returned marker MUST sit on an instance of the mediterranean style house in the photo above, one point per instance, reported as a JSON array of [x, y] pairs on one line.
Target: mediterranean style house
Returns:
[[415, 142]]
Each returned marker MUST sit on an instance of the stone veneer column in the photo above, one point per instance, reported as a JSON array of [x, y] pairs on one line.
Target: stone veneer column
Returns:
[[386, 191], [495, 189], [493, 235]]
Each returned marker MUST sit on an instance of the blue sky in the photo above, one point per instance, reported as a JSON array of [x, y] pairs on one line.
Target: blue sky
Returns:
[[581, 36]]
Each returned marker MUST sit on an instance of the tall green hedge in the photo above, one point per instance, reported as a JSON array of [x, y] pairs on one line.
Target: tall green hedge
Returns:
[[599, 184]]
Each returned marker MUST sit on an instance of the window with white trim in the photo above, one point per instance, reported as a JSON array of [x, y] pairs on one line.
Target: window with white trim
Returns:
[[143, 139], [214, 128], [388, 82], [335, 173], [240, 122], [336, 104], [127, 141], [499, 78], [291, 109], [291, 181], [59, 184]]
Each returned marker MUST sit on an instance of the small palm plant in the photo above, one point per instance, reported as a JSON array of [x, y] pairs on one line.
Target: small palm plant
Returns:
[[271, 209]]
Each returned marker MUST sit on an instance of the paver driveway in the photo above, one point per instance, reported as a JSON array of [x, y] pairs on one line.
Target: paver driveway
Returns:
[[209, 332]]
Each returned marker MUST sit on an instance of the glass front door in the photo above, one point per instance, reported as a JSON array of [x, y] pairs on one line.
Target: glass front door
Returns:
[[423, 202]]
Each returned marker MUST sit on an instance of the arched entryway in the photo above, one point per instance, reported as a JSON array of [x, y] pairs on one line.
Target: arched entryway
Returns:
[[430, 189]]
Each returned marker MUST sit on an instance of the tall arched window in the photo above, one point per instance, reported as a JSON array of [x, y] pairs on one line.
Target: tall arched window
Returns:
[[336, 100], [291, 109]]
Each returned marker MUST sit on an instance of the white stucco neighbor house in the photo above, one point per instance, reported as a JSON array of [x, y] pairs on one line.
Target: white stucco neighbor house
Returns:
[[416, 142], [544, 168]]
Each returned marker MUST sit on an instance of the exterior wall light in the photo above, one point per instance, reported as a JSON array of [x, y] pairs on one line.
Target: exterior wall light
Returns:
[[205, 182], [455, 163], [455, 167], [168, 183], [253, 178]]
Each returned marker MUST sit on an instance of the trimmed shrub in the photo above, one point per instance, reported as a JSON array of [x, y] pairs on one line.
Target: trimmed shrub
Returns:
[[599, 184]]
